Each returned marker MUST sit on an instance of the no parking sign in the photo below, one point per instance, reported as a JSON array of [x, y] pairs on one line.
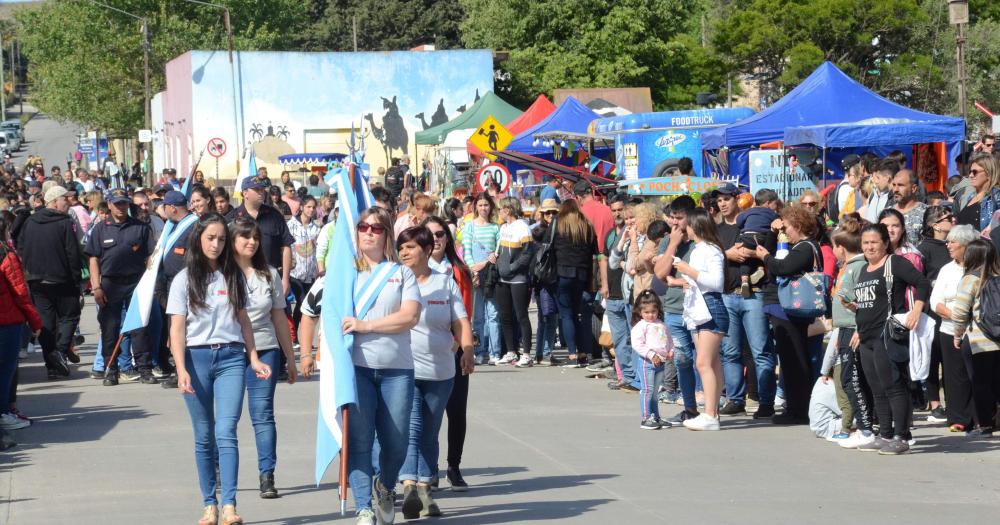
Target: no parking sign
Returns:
[[493, 172], [216, 147]]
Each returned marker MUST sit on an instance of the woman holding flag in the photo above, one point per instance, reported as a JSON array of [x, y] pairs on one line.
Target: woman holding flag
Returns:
[[211, 339], [387, 307], [443, 325]]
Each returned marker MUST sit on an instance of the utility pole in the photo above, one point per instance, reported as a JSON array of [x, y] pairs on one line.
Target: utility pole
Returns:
[[958, 16], [3, 91], [354, 31]]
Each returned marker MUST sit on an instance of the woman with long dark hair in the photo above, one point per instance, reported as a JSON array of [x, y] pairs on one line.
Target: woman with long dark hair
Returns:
[[305, 269], [201, 201], [791, 332], [480, 238], [212, 340], [934, 252], [885, 362], [443, 321], [981, 265], [445, 259], [704, 276], [266, 309], [575, 244]]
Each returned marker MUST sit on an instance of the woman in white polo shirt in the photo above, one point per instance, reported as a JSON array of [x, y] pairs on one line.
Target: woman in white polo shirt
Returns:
[[443, 320], [266, 308], [210, 340]]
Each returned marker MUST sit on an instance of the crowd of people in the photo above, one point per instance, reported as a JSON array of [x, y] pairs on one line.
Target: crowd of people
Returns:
[[847, 311]]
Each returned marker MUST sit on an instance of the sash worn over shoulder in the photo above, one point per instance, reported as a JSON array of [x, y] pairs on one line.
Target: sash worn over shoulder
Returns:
[[365, 295], [170, 240]]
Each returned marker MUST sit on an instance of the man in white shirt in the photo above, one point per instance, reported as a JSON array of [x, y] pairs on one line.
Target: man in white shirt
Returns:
[[881, 197], [848, 196]]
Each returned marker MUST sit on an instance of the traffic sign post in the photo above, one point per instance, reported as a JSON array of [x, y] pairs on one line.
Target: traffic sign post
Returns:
[[493, 172], [491, 136], [216, 147]]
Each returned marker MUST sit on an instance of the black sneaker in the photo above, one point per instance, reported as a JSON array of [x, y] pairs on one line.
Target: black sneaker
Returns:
[[614, 385], [938, 415], [130, 376], [732, 408], [170, 382], [161, 372], [682, 416], [111, 378], [267, 490], [764, 412], [73, 356], [626, 387], [411, 502], [980, 432], [458, 484], [78, 340], [650, 423], [894, 447], [57, 361], [146, 377], [97, 374]]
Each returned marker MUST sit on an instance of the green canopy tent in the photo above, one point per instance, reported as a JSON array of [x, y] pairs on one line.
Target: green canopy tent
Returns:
[[488, 104]]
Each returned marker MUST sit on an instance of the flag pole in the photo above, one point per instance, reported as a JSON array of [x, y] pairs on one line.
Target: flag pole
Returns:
[[343, 463], [114, 355]]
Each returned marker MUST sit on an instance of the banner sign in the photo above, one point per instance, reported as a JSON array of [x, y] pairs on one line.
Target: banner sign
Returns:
[[768, 170]]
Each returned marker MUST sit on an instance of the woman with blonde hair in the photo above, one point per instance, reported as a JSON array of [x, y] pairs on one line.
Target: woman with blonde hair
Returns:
[[977, 208], [513, 293], [575, 245]]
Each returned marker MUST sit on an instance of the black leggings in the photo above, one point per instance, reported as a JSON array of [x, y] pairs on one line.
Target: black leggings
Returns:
[[852, 379], [790, 338], [985, 386], [512, 305], [957, 381], [299, 290], [889, 382], [457, 404]]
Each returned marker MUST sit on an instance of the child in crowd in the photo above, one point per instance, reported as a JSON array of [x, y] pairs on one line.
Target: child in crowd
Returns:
[[652, 346], [755, 229]]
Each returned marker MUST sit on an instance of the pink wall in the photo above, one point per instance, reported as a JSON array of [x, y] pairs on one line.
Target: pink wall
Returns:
[[177, 114]]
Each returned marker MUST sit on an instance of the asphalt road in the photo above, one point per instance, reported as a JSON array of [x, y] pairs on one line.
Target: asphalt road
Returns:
[[54, 141]]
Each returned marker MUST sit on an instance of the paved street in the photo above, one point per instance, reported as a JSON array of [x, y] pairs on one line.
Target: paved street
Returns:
[[544, 444], [54, 141]]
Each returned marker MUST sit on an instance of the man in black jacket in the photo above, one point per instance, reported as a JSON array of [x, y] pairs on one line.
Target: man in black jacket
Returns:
[[52, 267]]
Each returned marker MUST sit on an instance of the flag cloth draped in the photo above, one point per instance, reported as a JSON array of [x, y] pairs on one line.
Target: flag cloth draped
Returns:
[[336, 384], [250, 172]]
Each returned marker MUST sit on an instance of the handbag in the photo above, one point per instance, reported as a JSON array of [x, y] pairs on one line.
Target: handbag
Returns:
[[894, 329], [544, 268], [805, 295]]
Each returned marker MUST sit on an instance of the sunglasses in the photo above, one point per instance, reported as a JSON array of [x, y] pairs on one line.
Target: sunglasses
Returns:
[[975, 172], [552, 212], [810, 204], [440, 234], [377, 229]]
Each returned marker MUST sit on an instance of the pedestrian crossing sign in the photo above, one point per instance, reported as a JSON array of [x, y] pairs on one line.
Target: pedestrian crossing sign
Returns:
[[491, 136]]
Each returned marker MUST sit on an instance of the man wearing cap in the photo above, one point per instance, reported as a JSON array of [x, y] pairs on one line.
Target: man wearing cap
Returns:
[[847, 198], [550, 190], [275, 239], [747, 319], [118, 249], [52, 267], [170, 179]]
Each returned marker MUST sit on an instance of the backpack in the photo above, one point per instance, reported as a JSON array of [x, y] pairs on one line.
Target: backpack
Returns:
[[544, 268], [989, 309]]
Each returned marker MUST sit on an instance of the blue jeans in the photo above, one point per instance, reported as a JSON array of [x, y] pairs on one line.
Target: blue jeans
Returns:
[[218, 380], [486, 324], [545, 338], [260, 404], [620, 318], [650, 378], [683, 359], [430, 398], [10, 345], [573, 321], [385, 400], [748, 320]]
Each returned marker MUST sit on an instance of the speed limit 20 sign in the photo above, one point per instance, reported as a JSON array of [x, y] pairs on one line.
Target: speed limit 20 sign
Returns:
[[493, 172]]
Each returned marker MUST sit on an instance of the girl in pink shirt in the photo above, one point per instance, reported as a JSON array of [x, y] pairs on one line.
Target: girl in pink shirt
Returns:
[[652, 346]]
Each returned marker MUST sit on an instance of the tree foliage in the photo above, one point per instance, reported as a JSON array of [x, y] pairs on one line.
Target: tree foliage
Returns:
[[382, 25], [86, 61], [592, 43]]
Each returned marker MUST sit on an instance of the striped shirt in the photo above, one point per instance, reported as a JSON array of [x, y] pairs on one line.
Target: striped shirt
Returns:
[[479, 241]]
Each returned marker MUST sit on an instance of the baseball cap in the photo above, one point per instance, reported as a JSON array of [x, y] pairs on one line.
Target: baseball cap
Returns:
[[118, 196], [582, 187], [254, 183], [174, 198], [161, 188], [726, 189], [54, 193], [850, 161], [35, 184]]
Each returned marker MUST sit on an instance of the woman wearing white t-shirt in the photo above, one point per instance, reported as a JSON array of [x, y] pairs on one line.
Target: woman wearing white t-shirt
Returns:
[[266, 309], [442, 320], [383, 366], [707, 270], [210, 340]]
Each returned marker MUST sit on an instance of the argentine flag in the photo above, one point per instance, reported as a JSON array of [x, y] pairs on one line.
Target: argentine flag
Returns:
[[336, 383]]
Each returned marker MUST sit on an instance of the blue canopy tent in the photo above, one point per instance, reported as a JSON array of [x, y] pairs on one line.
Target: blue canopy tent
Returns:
[[571, 116], [829, 97]]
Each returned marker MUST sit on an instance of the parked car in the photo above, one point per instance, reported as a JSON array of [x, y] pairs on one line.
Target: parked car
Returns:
[[13, 125], [12, 138], [4, 144]]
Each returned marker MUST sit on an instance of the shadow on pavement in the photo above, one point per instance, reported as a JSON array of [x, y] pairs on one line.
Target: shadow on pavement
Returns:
[[521, 486], [529, 511]]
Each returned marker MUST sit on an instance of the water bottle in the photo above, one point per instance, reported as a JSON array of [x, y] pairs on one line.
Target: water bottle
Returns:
[[782, 246]]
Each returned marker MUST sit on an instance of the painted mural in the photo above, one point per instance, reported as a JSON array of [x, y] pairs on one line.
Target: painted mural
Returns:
[[311, 101]]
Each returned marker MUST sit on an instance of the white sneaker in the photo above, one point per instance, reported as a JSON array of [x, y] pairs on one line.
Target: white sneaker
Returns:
[[857, 439], [480, 360], [31, 347], [525, 361], [494, 360], [383, 503], [365, 517], [9, 421], [507, 358], [23, 354], [702, 422]]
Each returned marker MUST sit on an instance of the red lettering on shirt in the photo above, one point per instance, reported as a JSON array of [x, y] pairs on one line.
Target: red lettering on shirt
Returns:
[[437, 302], [222, 292]]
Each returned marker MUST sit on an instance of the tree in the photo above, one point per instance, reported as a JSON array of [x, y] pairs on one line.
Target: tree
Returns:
[[382, 25], [593, 43], [86, 62]]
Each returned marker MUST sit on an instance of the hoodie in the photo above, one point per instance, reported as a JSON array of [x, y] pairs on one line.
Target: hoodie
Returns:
[[844, 286], [49, 248]]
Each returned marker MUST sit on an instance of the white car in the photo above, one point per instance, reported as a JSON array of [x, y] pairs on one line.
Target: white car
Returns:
[[13, 139], [13, 125]]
